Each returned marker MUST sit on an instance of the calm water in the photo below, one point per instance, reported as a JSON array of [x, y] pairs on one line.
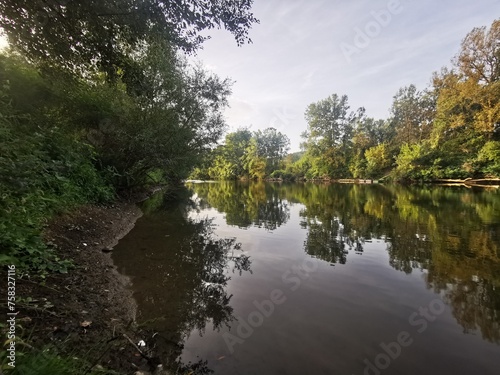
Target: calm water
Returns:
[[320, 279]]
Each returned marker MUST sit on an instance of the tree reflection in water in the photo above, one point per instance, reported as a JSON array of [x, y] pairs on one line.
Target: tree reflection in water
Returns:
[[450, 233], [184, 269], [245, 204]]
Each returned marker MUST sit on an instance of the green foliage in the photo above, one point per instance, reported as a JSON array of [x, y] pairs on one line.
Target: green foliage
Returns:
[[489, 158], [300, 167], [409, 160], [228, 161], [331, 128], [447, 131], [273, 146], [282, 174], [86, 35], [412, 114], [170, 126], [328, 122], [245, 155], [450, 130], [42, 171], [255, 165], [377, 160], [357, 167], [49, 362], [79, 140]]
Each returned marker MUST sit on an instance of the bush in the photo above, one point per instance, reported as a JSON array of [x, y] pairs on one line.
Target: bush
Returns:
[[284, 175], [42, 171], [377, 159], [489, 158]]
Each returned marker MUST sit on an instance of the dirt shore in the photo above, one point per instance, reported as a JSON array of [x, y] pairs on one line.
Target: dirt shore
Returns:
[[88, 312]]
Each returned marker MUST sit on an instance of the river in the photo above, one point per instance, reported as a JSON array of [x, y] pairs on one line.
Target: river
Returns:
[[270, 278]]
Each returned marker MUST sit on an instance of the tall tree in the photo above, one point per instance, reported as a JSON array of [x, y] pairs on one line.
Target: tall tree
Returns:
[[469, 96], [479, 57], [412, 114], [329, 134], [328, 121], [255, 164], [235, 147], [272, 146]]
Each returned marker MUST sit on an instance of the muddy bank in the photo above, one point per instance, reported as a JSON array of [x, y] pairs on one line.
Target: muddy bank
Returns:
[[88, 312]]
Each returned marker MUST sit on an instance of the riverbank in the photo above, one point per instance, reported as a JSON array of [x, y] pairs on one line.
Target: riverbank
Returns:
[[87, 313]]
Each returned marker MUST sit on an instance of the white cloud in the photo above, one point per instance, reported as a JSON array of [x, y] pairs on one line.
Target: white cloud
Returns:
[[296, 59]]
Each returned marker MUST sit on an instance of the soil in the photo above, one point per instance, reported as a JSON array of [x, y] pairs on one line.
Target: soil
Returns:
[[88, 312]]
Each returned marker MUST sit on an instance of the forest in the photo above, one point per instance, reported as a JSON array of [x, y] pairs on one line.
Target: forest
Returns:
[[449, 130]]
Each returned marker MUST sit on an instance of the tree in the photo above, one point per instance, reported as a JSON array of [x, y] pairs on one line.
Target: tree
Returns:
[[255, 164], [328, 122], [176, 126], [377, 159], [411, 161], [368, 133], [272, 146], [329, 135], [412, 113], [235, 148], [468, 97], [479, 57], [104, 33]]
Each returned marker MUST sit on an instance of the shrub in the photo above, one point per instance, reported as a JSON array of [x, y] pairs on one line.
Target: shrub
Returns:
[[489, 158], [42, 171]]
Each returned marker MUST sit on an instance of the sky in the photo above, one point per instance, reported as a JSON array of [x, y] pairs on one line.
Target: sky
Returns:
[[305, 50]]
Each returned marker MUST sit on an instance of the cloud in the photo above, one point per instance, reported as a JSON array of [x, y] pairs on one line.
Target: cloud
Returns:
[[296, 60]]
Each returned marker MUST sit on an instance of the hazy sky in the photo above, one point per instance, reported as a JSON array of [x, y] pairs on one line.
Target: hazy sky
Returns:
[[306, 50]]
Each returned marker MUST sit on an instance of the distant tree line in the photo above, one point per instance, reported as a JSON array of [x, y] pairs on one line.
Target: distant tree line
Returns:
[[245, 154], [448, 130]]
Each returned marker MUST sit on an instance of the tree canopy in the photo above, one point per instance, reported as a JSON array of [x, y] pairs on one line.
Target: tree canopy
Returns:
[[98, 100], [106, 33]]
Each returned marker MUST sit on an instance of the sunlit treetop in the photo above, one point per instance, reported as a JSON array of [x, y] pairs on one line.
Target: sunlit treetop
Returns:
[[104, 32], [479, 57]]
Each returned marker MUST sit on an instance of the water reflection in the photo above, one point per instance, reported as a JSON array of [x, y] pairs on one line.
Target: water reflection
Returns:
[[452, 234], [246, 204], [180, 273]]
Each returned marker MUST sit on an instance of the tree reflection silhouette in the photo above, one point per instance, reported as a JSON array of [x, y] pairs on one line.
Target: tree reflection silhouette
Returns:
[[451, 233], [181, 276], [246, 204]]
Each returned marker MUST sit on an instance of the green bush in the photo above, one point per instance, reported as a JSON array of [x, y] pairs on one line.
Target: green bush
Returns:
[[280, 173], [377, 160], [489, 158], [42, 171]]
